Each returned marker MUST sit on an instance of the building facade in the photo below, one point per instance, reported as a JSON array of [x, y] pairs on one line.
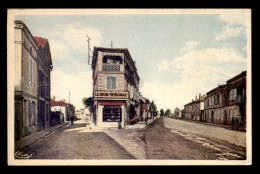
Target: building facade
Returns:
[[195, 109], [115, 87], [235, 108], [44, 78], [214, 105], [28, 59]]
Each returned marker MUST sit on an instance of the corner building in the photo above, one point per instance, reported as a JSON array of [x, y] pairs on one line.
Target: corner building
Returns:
[[115, 87]]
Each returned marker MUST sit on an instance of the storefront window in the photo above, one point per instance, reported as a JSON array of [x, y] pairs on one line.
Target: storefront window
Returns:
[[112, 113]]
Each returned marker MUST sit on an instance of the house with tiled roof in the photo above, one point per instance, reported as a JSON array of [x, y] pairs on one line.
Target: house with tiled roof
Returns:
[[67, 110]]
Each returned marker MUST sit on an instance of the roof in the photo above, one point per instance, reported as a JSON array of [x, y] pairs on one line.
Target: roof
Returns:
[[58, 103], [214, 89], [242, 74], [40, 41]]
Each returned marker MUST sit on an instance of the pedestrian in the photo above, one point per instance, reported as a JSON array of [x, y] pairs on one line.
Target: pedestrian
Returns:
[[72, 118]]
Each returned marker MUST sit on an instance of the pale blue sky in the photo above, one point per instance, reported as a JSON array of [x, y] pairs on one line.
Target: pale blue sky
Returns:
[[177, 56]]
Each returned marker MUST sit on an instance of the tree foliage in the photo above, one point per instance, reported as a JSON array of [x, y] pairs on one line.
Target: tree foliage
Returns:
[[153, 109], [89, 103], [167, 112], [161, 112], [176, 110]]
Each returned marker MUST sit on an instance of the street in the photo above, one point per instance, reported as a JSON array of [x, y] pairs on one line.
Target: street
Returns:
[[69, 142], [164, 138]]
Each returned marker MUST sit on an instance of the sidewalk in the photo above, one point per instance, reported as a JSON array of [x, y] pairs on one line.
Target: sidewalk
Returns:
[[34, 137], [140, 124], [208, 123]]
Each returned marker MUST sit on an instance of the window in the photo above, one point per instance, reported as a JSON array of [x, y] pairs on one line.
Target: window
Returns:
[[112, 113], [235, 112], [220, 98], [32, 116], [232, 94], [47, 112], [111, 82], [30, 50], [229, 114]]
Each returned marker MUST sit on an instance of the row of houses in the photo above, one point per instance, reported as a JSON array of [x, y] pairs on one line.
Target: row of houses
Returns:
[[225, 104], [117, 100]]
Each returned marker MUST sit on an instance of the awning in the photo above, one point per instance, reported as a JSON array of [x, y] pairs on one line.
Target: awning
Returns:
[[145, 107], [111, 103]]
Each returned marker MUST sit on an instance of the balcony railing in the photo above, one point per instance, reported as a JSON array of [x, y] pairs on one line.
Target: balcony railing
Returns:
[[110, 67]]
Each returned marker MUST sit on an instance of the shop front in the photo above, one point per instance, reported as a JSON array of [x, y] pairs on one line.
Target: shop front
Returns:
[[110, 112]]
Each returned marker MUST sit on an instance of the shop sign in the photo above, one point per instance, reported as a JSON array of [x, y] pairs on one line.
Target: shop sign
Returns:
[[99, 94]]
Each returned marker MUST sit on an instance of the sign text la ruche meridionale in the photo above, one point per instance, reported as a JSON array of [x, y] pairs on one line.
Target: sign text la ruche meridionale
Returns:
[[105, 94]]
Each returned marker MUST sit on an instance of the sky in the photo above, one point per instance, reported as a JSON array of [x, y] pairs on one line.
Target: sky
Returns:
[[178, 56]]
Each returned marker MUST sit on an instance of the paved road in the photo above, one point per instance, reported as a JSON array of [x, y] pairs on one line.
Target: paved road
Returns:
[[228, 144], [70, 142]]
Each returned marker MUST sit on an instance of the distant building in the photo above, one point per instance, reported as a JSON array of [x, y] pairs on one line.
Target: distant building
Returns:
[[67, 110], [195, 109], [32, 89], [144, 107], [214, 105]]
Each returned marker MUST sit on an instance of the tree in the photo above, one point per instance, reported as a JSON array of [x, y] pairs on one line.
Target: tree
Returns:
[[161, 112], [89, 103], [177, 111], [153, 109], [167, 112]]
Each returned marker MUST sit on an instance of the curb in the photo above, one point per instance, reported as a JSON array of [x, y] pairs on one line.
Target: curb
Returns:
[[25, 147]]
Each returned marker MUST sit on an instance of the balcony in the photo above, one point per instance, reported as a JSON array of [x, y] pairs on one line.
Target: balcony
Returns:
[[110, 67]]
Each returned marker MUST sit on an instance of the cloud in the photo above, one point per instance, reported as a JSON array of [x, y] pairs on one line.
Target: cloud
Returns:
[[190, 45], [79, 85], [59, 50], [228, 31], [164, 66], [239, 19], [198, 72], [70, 38], [75, 36], [235, 25]]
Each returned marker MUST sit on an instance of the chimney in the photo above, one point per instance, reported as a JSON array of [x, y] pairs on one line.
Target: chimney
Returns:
[[54, 98], [199, 96]]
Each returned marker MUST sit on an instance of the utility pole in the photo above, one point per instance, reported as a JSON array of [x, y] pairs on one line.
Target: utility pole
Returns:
[[88, 40]]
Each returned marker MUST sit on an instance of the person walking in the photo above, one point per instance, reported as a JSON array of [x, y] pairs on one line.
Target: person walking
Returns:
[[72, 118]]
